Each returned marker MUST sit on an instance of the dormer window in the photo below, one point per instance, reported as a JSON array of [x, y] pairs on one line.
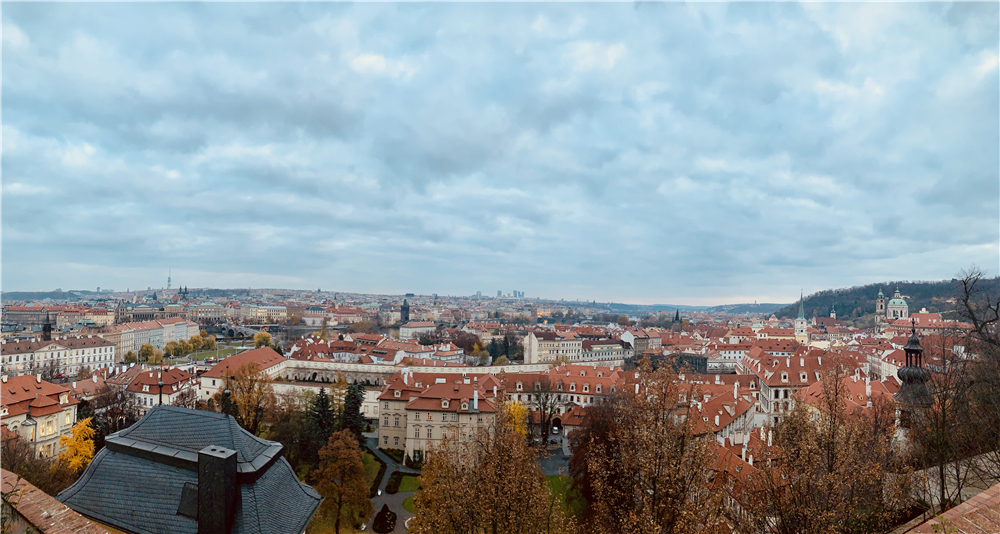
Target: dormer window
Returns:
[[572, 387], [465, 406], [145, 387], [559, 387], [444, 404], [586, 388], [784, 377], [598, 388], [583, 373], [520, 386], [396, 393], [803, 377]]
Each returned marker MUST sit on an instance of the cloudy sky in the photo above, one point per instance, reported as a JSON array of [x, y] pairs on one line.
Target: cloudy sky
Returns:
[[695, 154]]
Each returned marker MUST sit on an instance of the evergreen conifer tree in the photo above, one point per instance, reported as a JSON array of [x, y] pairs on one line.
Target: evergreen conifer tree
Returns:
[[320, 424], [352, 419]]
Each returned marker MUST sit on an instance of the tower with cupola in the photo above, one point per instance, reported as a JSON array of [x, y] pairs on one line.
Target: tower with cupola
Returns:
[[801, 325]]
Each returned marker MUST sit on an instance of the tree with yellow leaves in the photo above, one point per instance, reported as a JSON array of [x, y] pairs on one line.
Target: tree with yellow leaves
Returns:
[[518, 414], [78, 448], [252, 396], [261, 339]]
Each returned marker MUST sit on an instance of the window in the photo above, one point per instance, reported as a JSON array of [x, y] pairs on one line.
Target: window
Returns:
[[429, 432], [598, 388], [386, 405], [67, 418], [395, 441], [416, 432], [416, 417], [586, 388], [385, 421], [452, 417], [395, 421], [385, 440]]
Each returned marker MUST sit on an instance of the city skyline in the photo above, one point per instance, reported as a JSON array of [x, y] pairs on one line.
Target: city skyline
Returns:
[[699, 154]]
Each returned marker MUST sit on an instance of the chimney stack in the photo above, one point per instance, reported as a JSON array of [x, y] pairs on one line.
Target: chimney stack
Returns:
[[769, 434], [475, 400], [217, 490]]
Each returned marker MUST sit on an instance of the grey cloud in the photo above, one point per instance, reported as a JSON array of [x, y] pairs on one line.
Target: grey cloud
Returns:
[[635, 152]]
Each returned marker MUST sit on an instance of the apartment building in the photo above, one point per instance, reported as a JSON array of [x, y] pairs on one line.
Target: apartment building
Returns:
[[38, 411]]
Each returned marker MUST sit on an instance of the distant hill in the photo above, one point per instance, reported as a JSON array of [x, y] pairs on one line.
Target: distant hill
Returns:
[[735, 309], [858, 301], [14, 296], [739, 309]]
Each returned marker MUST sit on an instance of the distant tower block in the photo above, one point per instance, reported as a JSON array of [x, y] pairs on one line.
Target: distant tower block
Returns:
[[168, 278]]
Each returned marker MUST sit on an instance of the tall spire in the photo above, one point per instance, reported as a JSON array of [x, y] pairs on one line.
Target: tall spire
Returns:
[[802, 311]]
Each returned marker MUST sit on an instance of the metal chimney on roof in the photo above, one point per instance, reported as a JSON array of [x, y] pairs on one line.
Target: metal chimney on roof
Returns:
[[217, 490]]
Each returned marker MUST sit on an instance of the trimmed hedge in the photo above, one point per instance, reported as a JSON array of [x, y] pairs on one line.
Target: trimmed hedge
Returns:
[[385, 520], [373, 491], [395, 454], [393, 485]]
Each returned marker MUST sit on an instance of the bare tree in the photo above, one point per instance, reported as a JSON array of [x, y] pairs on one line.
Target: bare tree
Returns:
[[116, 407], [544, 398], [642, 464], [828, 470], [186, 399], [467, 486], [978, 304]]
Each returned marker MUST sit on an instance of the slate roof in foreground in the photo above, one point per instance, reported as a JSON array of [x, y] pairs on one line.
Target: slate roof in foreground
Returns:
[[135, 483]]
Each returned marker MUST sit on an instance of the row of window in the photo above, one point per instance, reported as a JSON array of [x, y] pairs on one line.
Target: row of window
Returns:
[[572, 387]]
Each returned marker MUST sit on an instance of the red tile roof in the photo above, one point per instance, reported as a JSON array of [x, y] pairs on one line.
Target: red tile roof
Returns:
[[265, 357]]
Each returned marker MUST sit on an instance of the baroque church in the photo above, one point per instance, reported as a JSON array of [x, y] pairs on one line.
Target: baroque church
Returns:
[[896, 308]]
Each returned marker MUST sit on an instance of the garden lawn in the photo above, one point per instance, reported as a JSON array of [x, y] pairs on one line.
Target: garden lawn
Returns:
[[560, 486], [409, 483], [408, 504], [223, 353], [371, 468]]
